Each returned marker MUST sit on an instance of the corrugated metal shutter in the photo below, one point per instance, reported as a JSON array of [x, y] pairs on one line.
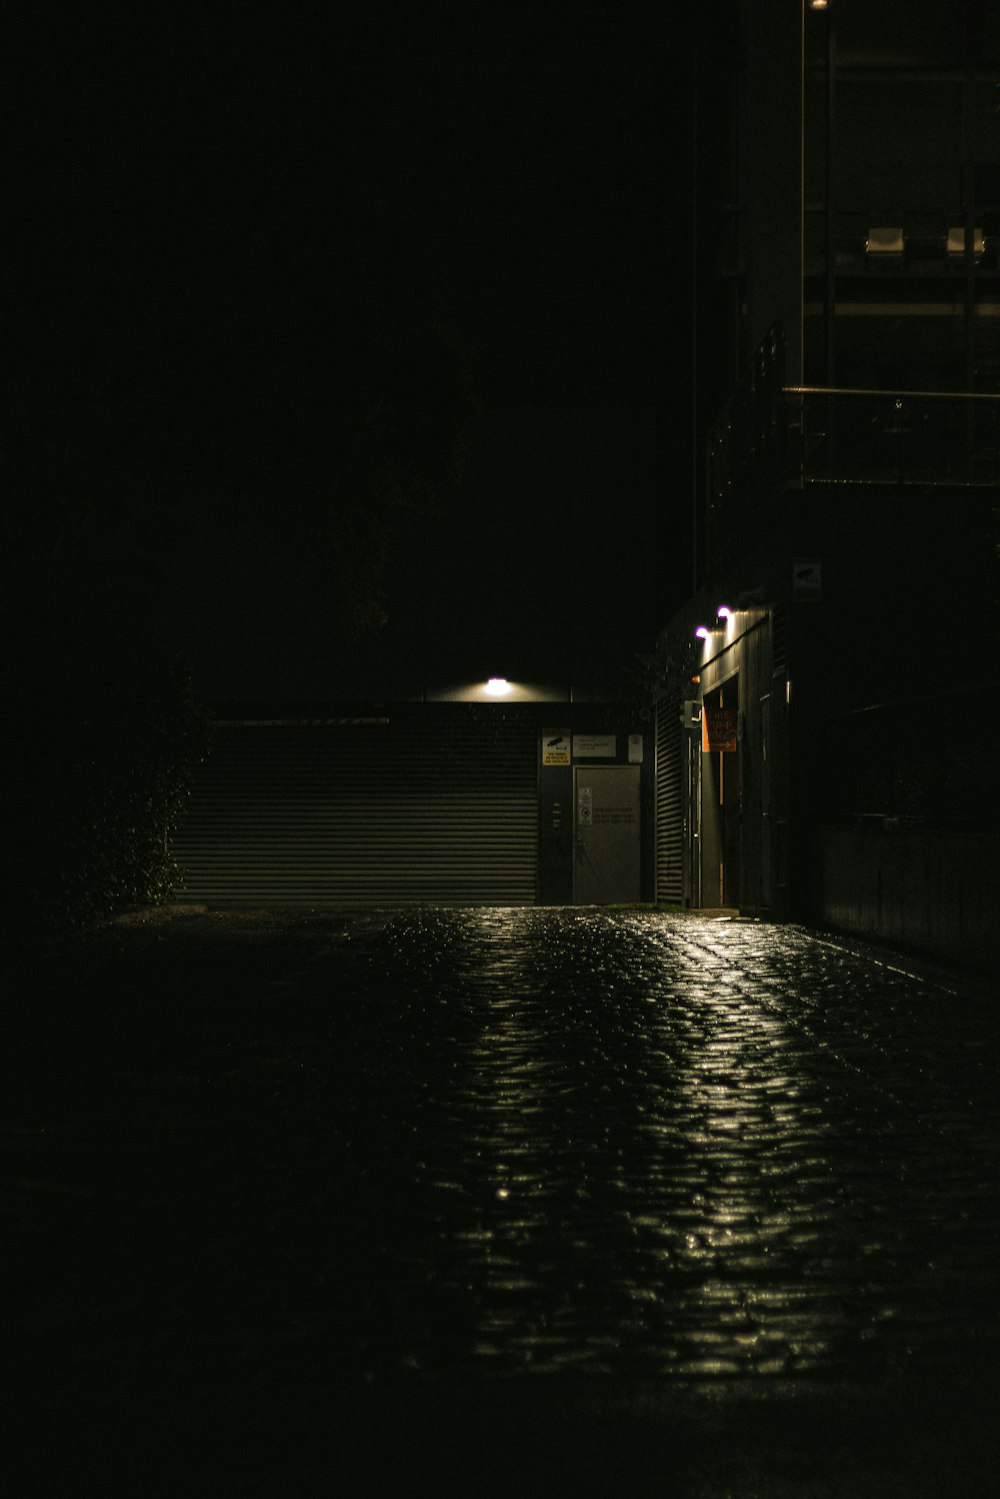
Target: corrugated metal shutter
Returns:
[[669, 805], [438, 804], [779, 640]]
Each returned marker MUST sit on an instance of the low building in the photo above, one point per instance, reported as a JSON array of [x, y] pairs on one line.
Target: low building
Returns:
[[503, 802]]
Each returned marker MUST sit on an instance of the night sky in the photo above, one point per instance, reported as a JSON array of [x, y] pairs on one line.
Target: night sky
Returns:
[[219, 227]]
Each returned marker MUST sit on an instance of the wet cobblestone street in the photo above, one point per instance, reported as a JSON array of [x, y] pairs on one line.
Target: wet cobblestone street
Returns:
[[680, 1148], [469, 1148]]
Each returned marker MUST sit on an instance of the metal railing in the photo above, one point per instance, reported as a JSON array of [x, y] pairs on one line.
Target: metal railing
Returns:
[[892, 437], [773, 439]]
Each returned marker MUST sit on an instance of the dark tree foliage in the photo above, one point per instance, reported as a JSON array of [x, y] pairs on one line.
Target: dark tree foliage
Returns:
[[106, 736], [104, 731], [196, 519], [231, 388]]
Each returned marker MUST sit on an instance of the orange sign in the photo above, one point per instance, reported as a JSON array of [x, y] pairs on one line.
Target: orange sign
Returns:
[[718, 729]]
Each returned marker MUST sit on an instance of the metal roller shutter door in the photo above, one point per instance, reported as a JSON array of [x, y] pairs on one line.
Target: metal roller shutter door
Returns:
[[669, 806], [439, 804]]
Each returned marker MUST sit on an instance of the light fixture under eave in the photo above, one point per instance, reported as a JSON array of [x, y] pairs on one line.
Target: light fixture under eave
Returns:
[[723, 612], [703, 633], [498, 687]]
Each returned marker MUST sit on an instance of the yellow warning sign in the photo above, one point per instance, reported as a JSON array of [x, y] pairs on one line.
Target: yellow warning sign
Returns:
[[556, 747]]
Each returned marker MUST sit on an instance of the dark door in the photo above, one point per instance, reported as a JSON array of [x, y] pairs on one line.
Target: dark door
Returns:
[[606, 835]]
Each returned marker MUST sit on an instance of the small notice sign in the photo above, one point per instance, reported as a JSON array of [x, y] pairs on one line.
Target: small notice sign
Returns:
[[556, 747], [807, 580], [595, 746], [635, 749], [719, 726]]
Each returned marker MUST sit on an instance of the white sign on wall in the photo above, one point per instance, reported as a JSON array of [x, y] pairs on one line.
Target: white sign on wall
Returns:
[[596, 746], [807, 580]]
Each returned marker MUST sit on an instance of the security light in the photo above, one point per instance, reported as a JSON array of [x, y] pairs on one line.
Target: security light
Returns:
[[497, 687], [723, 613], [703, 632]]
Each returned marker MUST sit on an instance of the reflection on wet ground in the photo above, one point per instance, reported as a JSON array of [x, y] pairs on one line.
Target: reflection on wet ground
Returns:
[[496, 1142], [626, 1143]]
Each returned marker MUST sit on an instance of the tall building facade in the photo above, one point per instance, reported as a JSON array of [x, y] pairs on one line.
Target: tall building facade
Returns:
[[818, 692], [862, 205]]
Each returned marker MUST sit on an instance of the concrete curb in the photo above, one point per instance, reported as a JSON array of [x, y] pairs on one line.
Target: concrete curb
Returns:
[[147, 915]]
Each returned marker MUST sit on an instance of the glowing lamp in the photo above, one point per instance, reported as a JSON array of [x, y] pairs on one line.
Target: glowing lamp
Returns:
[[702, 632], [497, 687]]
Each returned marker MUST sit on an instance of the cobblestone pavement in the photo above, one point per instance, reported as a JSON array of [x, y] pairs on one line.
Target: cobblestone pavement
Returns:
[[549, 1150]]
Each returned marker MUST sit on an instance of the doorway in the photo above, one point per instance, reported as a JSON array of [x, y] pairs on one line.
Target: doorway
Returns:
[[720, 797], [606, 865]]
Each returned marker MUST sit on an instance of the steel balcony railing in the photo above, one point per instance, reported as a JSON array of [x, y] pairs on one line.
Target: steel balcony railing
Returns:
[[771, 441]]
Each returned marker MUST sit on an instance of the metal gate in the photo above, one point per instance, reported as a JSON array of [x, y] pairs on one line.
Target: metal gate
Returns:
[[427, 802]]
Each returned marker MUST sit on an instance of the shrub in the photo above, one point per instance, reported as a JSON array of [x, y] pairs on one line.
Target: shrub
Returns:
[[108, 735]]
